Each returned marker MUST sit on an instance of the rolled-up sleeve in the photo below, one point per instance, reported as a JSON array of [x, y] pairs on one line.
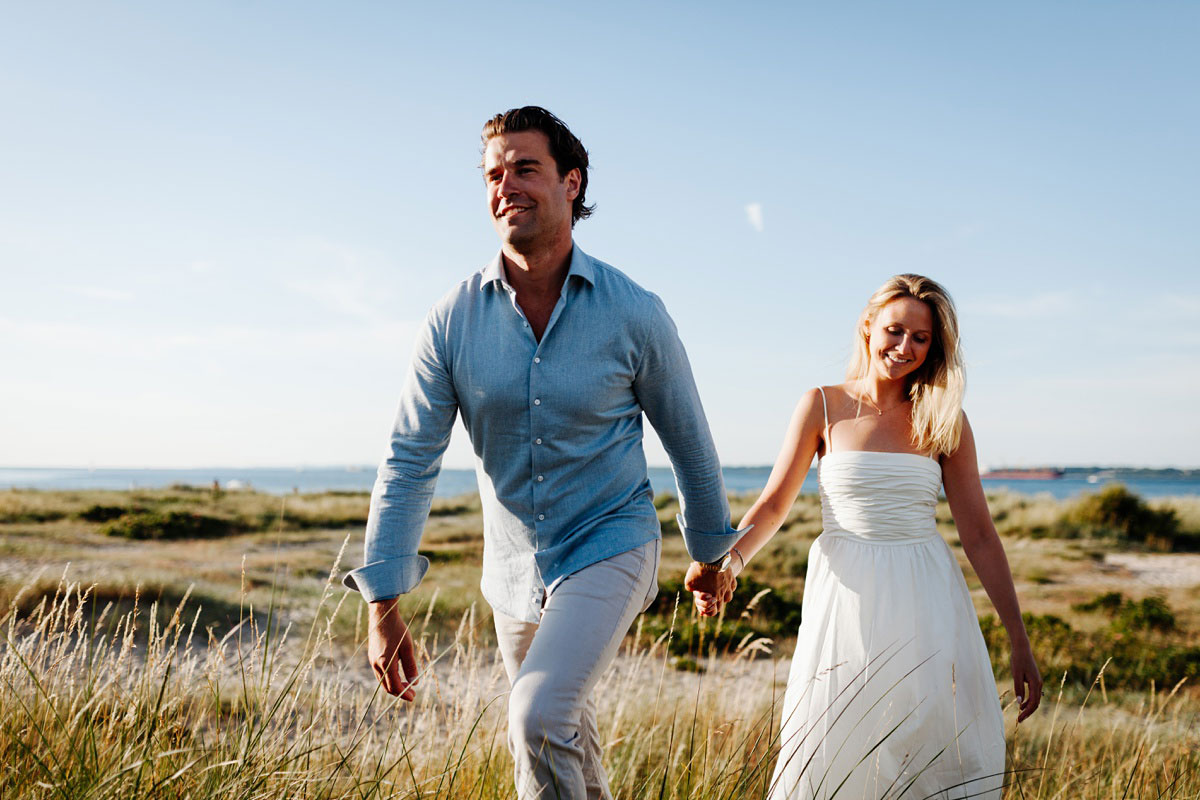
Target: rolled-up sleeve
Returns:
[[406, 480], [667, 393]]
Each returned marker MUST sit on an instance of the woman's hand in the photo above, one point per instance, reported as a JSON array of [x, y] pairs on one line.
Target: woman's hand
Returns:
[[1027, 681], [706, 604]]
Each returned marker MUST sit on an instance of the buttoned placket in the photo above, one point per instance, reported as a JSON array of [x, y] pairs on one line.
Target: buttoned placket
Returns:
[[540, 503], [536, 456], [537, 429]]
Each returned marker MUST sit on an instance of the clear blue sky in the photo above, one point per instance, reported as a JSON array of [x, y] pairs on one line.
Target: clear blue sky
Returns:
[[221, 222]]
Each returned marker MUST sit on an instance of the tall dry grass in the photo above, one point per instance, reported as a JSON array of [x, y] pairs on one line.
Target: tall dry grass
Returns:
[[100, 704]]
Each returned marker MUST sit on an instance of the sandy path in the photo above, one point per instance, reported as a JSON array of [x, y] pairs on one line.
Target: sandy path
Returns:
[[1174, 570]]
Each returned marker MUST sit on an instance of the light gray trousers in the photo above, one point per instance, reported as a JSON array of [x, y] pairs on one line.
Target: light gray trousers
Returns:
[[555, 664]]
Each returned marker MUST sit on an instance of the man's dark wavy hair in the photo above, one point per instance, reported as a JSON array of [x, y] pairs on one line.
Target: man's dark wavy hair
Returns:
[[567, 150]]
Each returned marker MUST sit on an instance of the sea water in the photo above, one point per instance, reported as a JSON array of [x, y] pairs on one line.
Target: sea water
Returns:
[[455, 482]]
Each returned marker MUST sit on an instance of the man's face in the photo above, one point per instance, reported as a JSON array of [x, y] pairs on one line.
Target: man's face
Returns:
[[527, 199]]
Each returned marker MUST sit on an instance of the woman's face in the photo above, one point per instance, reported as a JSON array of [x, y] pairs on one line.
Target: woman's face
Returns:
[[899, 338]]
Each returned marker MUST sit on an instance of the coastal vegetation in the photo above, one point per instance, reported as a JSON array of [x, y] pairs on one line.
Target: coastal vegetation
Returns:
[[196, 642]]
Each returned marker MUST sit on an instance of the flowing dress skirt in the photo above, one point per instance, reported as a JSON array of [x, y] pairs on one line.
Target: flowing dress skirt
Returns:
[[891, 692]]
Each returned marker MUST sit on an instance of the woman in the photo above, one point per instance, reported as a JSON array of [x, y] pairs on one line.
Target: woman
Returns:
[[891, 691]]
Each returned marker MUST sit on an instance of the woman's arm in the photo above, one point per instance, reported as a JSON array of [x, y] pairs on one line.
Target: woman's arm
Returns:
[[771, 509], [981, 543]]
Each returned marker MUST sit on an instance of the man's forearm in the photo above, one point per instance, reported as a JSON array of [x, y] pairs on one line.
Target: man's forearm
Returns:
[[399, 508], [667, 392], [404, 486]]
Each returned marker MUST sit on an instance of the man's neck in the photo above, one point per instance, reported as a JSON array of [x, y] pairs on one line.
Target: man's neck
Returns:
[[539, 271]]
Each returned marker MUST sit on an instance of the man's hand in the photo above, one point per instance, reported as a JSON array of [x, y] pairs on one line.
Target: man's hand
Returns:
[[710, 590], [390, 649]]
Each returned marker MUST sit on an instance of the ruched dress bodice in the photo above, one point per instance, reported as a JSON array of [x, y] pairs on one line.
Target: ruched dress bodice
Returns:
[[882, 498], [890, 692]]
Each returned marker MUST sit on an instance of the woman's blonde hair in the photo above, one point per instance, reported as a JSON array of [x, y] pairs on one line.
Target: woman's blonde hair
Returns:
[[936, 388]]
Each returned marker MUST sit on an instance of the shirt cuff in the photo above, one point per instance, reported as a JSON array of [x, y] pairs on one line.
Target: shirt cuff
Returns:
[[708, 547], [383, 580]]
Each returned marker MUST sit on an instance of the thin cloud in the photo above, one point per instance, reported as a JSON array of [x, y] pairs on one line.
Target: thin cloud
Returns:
[[754, 215], [346, 296], [101, 293], [233, 341], [1044, 304], [342, 278]]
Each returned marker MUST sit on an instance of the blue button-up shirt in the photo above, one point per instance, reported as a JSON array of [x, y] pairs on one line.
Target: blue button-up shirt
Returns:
[[556, 426]]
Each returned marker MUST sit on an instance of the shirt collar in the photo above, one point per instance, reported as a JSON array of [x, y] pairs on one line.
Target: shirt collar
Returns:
[[581, 265]]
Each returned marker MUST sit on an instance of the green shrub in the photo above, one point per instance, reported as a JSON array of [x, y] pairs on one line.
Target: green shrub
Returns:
[[191, 488], [32, 515], [447, 510], [1186, 541], [444, 556], [1138, 657], [663, 500], [694, 636], [104, 603], [1150, 613], [1109, 602], [98, 512], [669, 525], [1040, 576], [775, 615], [1116, 512], [686, 664], [304, 519], [168, 525]]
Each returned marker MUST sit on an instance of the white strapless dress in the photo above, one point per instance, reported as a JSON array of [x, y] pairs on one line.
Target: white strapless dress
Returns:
[[891, 693]]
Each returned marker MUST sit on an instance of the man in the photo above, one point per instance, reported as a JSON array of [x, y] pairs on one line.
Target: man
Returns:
[[551, 357]]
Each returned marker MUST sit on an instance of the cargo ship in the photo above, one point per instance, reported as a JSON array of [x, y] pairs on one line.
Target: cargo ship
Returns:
[[1024, 474]]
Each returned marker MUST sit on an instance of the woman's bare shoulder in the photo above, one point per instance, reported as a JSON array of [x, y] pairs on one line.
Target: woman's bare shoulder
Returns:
[[810, 409], [837, 397], [832, 394]]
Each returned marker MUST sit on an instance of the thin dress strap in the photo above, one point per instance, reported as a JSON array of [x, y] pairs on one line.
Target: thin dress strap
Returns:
[[825, 409]]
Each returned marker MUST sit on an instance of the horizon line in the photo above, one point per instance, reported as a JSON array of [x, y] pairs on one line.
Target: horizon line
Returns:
[[362, 467]]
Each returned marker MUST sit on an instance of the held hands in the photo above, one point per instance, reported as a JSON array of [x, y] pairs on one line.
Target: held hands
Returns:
[[710, 590], [390, 650]]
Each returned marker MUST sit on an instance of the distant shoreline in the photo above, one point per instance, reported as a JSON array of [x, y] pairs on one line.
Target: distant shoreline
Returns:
[[1160, 473], [1187, 473], [1147, 482]]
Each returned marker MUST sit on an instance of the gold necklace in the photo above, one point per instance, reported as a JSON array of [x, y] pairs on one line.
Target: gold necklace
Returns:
[[878, 410]]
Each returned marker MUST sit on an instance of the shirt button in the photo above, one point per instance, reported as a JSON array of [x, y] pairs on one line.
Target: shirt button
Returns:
[[541, 478], [537, 359], [537, 401], [537, 441], [541, 516]]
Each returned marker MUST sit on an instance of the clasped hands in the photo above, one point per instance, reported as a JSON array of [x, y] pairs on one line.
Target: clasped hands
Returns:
[[710, 590]]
